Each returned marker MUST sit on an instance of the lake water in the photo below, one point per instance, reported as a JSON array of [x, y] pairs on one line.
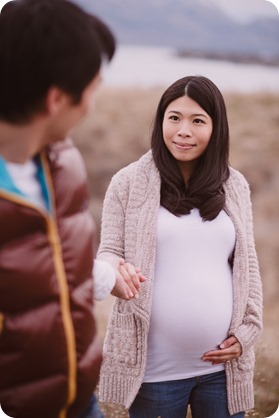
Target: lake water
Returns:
[[135, 66]]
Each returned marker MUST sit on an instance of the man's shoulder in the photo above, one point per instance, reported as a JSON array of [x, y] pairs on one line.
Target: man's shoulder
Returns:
[[60, 146], [67, 148]]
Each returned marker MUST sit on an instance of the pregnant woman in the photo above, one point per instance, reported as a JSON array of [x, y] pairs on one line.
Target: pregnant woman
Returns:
[[183, 214]]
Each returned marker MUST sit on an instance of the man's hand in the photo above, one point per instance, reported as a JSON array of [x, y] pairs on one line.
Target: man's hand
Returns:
[[128, 281]]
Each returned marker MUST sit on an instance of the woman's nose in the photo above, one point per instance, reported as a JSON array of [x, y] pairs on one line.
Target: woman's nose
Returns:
[[184, 130]]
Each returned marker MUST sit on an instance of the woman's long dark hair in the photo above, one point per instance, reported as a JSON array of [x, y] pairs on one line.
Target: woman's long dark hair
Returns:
[[204, 189]]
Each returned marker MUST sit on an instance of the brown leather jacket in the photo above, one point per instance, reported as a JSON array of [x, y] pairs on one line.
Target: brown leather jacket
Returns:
[[49, 354]]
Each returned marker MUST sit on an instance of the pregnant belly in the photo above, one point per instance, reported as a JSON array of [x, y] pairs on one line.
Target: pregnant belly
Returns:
[[201, 327], [182, 330]]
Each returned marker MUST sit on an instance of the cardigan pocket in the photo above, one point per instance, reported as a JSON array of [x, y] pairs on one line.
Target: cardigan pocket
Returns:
[[244, 366], [124, 344], [246, 362]]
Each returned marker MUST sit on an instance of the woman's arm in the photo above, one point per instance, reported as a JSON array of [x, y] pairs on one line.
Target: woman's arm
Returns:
[[248, 332], [111, 246], [112, 243]]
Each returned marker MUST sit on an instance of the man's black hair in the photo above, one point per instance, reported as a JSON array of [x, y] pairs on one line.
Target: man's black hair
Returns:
[[45, 43]]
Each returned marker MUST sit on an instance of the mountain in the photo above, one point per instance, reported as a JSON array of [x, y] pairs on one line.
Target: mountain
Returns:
[[187, 25]]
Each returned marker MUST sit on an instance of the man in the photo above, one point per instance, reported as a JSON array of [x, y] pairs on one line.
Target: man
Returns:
[[51, 53]]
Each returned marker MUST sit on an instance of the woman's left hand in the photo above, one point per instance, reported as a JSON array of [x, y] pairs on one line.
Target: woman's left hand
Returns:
[[229, 349]]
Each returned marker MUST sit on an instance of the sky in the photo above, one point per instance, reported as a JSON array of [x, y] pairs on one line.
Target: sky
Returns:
[[241, 10], [247, 10]]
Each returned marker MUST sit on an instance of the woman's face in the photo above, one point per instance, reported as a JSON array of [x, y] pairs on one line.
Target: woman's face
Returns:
[[187, 130]]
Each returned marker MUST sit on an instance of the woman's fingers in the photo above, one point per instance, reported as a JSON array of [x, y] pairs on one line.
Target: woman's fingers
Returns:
[[229, 349]]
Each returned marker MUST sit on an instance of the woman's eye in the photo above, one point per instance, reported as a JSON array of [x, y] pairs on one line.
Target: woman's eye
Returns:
[[174, 117], [198, 121]]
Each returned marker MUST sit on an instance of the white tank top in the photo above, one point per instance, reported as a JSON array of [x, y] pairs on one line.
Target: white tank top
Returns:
[[192, 294]]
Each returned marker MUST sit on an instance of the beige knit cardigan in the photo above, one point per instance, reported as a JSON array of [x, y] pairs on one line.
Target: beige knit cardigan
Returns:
[[129, 231]]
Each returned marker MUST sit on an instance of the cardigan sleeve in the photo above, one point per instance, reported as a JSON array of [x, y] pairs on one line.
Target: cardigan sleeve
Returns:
[[251, 326], [113, 218]]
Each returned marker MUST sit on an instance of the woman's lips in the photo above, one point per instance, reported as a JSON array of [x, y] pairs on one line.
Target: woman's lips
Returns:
[[184, 146]]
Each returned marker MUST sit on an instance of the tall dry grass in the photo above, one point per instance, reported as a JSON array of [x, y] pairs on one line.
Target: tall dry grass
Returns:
[[117, 132]]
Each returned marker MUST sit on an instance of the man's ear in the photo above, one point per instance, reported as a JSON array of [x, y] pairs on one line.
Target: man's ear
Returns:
[[56, 99]]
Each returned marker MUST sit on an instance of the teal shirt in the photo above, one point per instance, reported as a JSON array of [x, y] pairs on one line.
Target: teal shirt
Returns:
[[7, 184]]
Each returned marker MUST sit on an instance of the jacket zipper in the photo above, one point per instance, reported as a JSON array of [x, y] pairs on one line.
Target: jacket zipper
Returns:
[[55, 243], [66, 313], [1, 322]]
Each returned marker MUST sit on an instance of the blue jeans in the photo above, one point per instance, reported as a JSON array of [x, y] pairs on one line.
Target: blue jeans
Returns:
[[92, 410], [205, 394]]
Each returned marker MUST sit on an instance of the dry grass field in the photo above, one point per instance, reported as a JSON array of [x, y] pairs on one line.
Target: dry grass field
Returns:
[[117, 132]]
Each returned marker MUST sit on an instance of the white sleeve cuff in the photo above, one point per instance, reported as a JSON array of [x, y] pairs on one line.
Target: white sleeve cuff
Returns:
[[104, 279]]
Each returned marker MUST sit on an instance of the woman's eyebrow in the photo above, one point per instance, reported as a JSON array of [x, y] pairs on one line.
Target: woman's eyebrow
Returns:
[[194, 114]]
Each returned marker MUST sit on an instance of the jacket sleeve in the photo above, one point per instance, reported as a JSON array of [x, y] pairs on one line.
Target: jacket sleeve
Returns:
[[251, 326]]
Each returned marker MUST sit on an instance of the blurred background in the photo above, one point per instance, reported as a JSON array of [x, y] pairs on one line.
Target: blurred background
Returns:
[[236, 45], [155, 36]]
